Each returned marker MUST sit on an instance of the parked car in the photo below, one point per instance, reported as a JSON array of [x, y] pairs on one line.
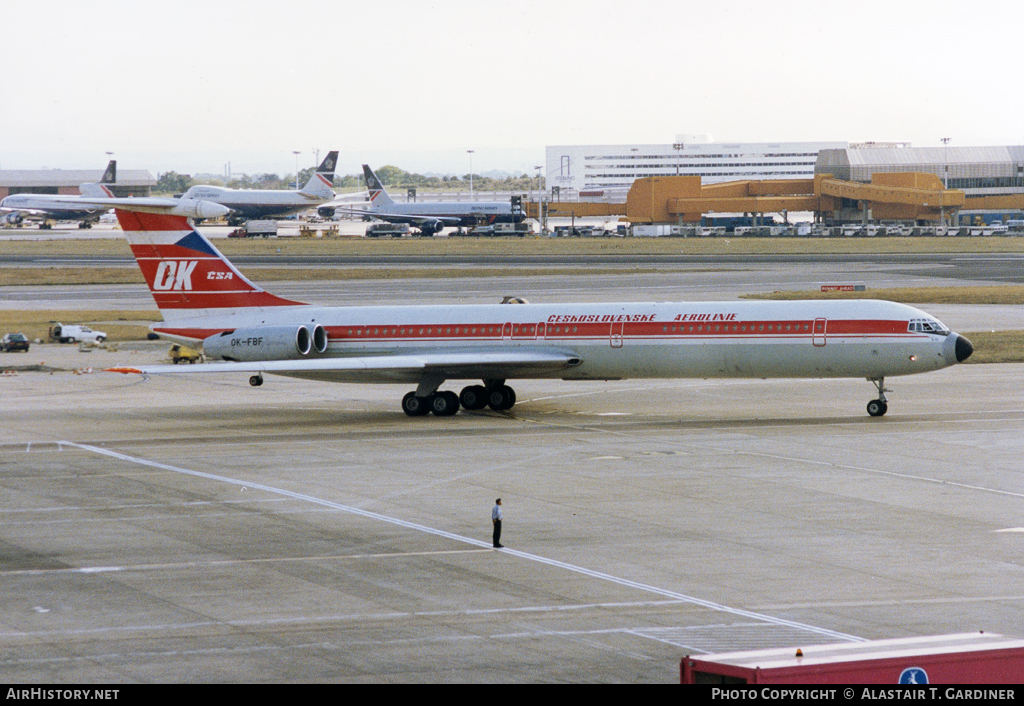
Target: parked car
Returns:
[[73, 333], [14, 342]]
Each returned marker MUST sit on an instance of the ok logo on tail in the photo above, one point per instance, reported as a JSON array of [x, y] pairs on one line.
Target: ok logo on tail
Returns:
[[174, 275]]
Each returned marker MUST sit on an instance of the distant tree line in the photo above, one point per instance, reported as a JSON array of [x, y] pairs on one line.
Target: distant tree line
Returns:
[[174, 183]]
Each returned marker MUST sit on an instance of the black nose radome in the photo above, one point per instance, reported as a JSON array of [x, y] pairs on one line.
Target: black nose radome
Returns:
[[964, 348]]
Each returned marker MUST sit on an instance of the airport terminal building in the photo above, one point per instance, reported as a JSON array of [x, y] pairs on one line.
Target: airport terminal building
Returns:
[[991, 178], [605, 172], [977, 171]]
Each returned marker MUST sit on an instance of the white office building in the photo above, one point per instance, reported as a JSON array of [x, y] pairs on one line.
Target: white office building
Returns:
[[605, 172]]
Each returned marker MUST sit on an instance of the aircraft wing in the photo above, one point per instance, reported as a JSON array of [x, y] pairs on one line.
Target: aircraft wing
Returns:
[[14, 215], [192, 208], [391, 368], [348, 199], [25, 211]]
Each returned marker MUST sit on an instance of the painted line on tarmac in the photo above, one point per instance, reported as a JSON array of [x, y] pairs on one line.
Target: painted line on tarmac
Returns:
[[583, 571], [215, 563]]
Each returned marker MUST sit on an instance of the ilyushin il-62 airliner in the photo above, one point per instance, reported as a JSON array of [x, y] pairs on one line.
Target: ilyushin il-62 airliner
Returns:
[[205, 300]]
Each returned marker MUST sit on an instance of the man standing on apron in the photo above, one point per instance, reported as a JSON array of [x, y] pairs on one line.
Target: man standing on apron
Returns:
[[496, 517]]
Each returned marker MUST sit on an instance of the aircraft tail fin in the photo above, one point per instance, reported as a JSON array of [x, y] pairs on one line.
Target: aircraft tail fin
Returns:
[[110, 175], [185, 273], [320, 184], [99, 190], [378, 196]]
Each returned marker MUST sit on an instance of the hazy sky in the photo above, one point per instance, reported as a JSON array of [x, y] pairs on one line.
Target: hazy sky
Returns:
[[190, 86]]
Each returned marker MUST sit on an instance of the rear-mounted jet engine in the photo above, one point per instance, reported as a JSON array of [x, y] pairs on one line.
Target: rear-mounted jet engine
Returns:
[[264, 343]]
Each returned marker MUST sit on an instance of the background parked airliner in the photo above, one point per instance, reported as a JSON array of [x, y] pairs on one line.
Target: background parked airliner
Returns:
[[430, 218], [268, 203], [204, 299], [52, 207]]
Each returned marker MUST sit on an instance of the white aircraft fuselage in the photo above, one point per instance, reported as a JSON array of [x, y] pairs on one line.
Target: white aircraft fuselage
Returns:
[[257, 203], [470, 212], [58, 208], [805, 339]]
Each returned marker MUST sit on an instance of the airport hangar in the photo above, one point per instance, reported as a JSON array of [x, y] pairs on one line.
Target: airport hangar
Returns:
[[65, 182], [869, 181]]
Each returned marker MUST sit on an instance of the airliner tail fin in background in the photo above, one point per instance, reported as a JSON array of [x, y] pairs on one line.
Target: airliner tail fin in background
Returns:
[[99, 190], [110, 175], [378, 196], [320, 184]]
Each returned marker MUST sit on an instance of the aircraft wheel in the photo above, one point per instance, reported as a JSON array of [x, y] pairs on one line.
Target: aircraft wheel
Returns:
[[256, 380], [474, 397], [444, 404], [501, 398], [876, 408], [415, 406]]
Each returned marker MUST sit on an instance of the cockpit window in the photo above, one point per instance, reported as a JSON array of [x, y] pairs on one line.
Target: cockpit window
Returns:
[[932, 326]]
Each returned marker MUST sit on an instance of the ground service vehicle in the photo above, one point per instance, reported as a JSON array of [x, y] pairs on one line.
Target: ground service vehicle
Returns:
[[388, 230], [75, 333], [184, 354]]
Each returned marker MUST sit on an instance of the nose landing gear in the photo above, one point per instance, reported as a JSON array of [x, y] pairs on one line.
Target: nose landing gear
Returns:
[[877, 408]]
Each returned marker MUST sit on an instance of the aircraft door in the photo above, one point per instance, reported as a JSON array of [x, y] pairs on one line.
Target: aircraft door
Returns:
[[506, 331], [818, 335], [615, 335]]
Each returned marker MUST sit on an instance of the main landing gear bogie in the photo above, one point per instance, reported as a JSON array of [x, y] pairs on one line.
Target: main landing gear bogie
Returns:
[[446, 403]]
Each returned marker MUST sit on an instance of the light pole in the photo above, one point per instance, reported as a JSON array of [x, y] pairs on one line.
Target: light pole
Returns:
[[540, 198], [678, 147], [945, 162], [471, 174], [945, 177], [296, 153]]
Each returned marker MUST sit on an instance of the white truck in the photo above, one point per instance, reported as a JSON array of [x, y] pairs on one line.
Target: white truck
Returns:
[[74, 333], [260, 229]]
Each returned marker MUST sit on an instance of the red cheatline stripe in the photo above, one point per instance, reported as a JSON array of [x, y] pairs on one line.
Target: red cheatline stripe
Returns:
[[219, 300]]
